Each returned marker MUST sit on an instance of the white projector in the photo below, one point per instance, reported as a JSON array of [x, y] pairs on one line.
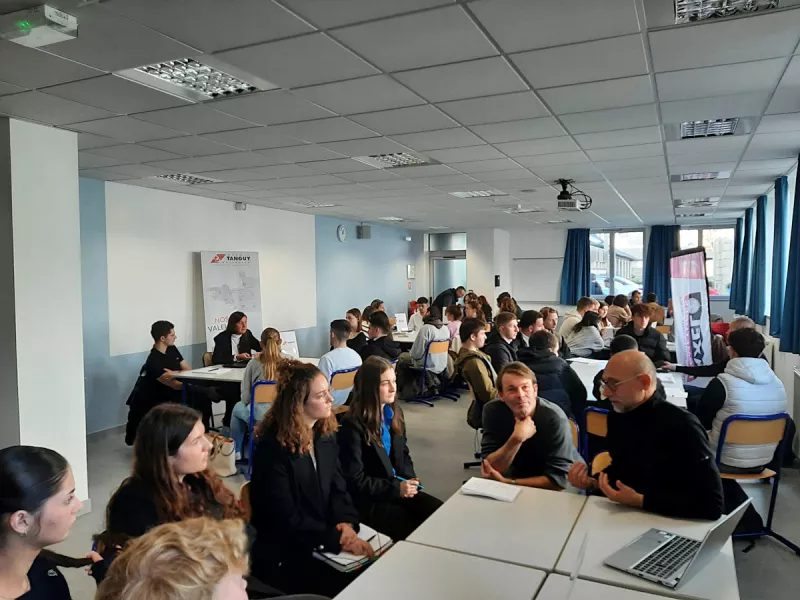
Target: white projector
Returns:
[[572, 204], [40, 26]]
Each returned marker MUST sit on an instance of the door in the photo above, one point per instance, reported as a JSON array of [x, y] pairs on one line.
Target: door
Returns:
[[447, 272]]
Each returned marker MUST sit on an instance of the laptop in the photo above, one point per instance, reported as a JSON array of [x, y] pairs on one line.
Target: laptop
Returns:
[[670, 559]]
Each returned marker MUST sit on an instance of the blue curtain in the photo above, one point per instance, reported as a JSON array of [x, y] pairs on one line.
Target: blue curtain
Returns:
[[737, 258], [575, 274], [779, 255], [790, 322], [663, 242], [757, 302], [744, 264]]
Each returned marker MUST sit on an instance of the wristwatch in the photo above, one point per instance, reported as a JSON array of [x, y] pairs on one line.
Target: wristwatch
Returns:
[[514, 481]]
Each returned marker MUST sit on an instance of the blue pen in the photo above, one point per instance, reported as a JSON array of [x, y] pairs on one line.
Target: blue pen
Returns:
[[419, 485]]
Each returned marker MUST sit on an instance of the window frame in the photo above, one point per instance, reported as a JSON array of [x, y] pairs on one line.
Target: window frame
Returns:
[[612, 249], [700, 244]]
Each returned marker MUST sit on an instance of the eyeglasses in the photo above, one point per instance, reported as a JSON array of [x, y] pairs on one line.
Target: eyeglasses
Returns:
[[613, 385]]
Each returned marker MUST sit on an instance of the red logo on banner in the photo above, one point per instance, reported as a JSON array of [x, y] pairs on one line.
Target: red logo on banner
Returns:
[[217, 258]]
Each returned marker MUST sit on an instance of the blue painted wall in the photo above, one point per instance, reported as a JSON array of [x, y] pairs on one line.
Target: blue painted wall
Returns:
[[348, 274]]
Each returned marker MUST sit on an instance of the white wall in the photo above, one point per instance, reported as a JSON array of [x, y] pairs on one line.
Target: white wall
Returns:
[[47, 286], [502, 261], [480, 262], [540, 242], [154, 270]]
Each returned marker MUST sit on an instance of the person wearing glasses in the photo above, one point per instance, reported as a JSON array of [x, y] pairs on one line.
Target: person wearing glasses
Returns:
[[661, 460]]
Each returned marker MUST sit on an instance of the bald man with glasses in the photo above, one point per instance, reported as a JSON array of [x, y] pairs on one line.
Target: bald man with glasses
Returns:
[[661, 460]]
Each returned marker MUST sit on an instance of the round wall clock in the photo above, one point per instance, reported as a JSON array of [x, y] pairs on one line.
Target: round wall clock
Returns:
[[341, 233]]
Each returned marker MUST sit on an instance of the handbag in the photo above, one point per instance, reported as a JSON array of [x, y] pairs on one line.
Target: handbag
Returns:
[[222, 456]]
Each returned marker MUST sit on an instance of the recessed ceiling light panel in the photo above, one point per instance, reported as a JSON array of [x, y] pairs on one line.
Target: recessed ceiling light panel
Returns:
[[313, 204], [708, 128], [393, 219], [186, 179], [687, 11], [478, 194], [696, 202], [701, 176], [519, 210], [394, 160]]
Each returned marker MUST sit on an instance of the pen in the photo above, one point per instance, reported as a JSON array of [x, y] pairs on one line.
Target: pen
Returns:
[[419, 485], [214, 369]]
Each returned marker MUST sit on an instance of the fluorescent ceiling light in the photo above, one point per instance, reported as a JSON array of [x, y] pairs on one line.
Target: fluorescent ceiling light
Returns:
[[697, 202], [393, 161], [557, 221], [312, 204], [701, 176], [708, 128], [186, 179], [478, 194], [518, 210], [395, 219], [687, 11], [693, 215], [438, 227]]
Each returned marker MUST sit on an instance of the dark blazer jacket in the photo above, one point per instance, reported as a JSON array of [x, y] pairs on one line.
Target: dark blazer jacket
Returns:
[[367, 468], [223, 350], [295, 507]]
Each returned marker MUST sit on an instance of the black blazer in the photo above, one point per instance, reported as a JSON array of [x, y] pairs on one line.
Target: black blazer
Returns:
[[223, 350], [367, 468], [295, 507]]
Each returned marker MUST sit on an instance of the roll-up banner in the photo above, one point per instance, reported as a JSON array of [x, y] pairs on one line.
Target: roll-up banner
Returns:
[[691, 308]]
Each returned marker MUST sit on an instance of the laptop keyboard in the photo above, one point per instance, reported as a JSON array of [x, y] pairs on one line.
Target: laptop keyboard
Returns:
[[668, 558]]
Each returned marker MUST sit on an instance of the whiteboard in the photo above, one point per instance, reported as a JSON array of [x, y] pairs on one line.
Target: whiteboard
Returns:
[[537, 279]]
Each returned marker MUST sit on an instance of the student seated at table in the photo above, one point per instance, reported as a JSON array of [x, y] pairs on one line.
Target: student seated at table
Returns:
[[379, 338], [472, 310], [636, 298], [263, 368], [609, 300], [357, 338], [619, 344], [656, 310], [661, 459], [716, 368], [365, 315], [554, 373], [508, 304], [502, 344], [415, 323], [375, 458], [432, 330], [476, 369], [572, 318], [748, 386], [530, 322], [526, 440], [448, 297], [300, 503], [486, 308], [378, 304], [618, 312], [651, 341], [453, 314], [602, 312], [585, 339], [341, 358], [237, 342], [549, 321]]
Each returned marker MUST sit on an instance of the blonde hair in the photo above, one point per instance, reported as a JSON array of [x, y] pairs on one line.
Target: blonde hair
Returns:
[[177, 561], [270, 355]]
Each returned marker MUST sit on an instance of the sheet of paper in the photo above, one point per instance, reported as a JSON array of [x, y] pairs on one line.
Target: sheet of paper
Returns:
[[490, 489], [401, 321], [213, 370]]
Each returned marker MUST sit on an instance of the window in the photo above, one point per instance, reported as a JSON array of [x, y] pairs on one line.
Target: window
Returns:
[[617, 265], [718, 244]]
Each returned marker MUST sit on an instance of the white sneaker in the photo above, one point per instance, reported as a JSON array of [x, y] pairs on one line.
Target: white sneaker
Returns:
[[238, 456]]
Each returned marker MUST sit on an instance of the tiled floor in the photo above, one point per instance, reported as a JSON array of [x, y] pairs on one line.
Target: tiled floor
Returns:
[[440, 441]]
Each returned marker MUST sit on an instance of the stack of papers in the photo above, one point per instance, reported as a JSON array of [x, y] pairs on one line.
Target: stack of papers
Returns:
[[489, 488], [346, 562]]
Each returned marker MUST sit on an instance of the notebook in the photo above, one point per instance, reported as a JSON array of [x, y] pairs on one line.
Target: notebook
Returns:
[[346, 562], [489, 488]]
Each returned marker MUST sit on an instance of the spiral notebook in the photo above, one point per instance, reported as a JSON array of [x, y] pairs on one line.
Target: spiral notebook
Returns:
[[489, 488], [346, 562]]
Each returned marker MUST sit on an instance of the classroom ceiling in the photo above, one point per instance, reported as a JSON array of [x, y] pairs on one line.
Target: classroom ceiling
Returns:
[[500, 95]]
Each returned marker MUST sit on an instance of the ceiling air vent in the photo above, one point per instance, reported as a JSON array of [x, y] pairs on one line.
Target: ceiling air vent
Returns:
[[708, 128], [687, 11], [697, 202], [519, 210], [393, 161], [478, 194], [693, 215], [701, 176], [187, 179], [393, 219], [313, 204]]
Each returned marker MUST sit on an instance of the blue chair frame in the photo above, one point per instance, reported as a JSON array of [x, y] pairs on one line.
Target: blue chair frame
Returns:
[[421, 397], [350, 370], [767, 531], [251, 423], [585, 437]]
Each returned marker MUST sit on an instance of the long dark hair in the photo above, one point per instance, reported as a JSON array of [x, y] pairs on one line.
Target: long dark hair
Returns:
[[160, 435], [285, 417], [233, 321], [590, 319], [365, 405]]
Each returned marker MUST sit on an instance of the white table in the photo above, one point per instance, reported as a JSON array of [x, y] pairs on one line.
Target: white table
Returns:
[[222, 374], [409, 571], [611, 526], [557, 587], [407, 337], [531, 531]]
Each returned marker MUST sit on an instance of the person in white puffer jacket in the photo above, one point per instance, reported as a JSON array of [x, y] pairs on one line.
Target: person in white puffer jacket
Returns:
[[748, 386]]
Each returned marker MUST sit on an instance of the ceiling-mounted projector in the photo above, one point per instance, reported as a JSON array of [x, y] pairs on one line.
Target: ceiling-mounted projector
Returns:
[[571, 198], [40, 26]]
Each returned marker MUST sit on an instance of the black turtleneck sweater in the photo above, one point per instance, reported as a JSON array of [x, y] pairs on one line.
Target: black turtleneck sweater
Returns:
[[662, 452]]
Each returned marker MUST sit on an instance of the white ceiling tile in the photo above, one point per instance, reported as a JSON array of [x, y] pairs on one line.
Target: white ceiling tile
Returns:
[[436, 140], [457, 179], [779, 123], [48, 109], [366, 147], [610, 166], [709, 43], [552, 160], [514, 131], [698, 109], [271, 108], [743, 191], [579, 172], [369, 176], [133, 153], [191, 146], [342, 165], [599, 95], [784, 101], [507, 179], [223, 187], [115, 94], [257, 138], [103, 175], [305, 60], [345, 12], [471, 79], [721, 156], [648, 172], [324, 130], [126, 129], [193, 119], [281, 171], [773, 145], [495, 109], [620, 137], [87, 141], [623, 152], [525, 25], [312, 181], [138, 170], [752, 178], [697, 166], [111, 42], [367, 94], [7, 88], [703, 145], [406, 120], [418, 40], [187, 165], [423, 171], [720, 81], [470, 153], [206, 24], [32, 68], [482, 166], [532, 147], [242, 160], [611, 119], [87, 160], [300, 154], [579, 63], [778, 166]]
